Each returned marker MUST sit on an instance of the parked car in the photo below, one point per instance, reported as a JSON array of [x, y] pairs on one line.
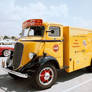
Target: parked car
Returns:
[[5, 50]]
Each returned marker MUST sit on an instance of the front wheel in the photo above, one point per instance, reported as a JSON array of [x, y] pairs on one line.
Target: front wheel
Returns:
[[45, 77]]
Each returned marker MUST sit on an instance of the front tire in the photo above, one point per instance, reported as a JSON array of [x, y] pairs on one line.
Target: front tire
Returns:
[[45, 77]]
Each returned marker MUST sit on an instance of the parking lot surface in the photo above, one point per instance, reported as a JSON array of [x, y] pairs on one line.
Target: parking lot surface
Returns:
[[78, 81]]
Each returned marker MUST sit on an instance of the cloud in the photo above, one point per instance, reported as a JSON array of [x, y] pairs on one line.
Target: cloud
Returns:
[[33, 10], [12, 15], [41, 10], [81, 22]]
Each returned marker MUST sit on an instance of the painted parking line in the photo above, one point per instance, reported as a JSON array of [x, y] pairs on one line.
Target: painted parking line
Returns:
[[68, 90]]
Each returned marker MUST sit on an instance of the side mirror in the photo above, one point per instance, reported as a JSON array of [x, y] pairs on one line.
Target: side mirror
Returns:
[[51, 31]]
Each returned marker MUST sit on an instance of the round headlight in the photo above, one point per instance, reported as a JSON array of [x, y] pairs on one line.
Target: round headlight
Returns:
[[31, 55]]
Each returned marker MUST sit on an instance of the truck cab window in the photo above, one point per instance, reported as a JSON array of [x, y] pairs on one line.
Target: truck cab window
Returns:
[[34, 31], [56, 32]]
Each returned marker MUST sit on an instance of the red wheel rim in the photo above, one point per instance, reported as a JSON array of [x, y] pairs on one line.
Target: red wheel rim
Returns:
[[46, 76]]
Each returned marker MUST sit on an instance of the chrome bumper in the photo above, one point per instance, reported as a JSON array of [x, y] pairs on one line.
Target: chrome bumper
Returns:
[[15, 73]]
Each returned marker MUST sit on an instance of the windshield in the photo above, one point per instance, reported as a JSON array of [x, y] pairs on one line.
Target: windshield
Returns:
[[33, 31]]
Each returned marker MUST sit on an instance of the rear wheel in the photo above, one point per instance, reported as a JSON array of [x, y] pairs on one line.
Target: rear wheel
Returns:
[[6, 53], [45, 77]]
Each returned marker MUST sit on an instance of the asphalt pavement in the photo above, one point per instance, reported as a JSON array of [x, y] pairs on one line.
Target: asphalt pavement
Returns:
[[78, 81]]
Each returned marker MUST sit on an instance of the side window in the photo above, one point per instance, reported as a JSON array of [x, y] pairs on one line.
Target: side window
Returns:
[[56, 31]]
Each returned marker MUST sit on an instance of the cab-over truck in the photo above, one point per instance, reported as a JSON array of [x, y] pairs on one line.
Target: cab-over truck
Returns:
[[45, 47]]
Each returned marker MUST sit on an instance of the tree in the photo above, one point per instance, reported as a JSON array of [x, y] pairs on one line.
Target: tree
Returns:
[[6, 37], [13, 37]]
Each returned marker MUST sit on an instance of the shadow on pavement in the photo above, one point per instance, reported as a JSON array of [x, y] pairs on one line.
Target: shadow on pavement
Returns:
[[8, 84], [64, 76]]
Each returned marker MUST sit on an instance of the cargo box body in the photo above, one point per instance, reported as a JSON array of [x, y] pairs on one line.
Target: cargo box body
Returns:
[[77, 48]]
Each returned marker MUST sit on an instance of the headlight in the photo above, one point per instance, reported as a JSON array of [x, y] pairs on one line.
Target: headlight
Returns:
[[31, 55]]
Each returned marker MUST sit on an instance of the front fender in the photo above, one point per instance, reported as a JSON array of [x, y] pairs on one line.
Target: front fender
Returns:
[[48, 59], [40, 61], [43, 60]]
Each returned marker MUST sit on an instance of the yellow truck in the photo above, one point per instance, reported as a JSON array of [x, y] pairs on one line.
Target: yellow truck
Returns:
[[45, 47]]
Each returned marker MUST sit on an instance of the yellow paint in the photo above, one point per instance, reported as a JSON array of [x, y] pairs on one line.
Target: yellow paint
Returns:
[[77, 48], [75, 51]]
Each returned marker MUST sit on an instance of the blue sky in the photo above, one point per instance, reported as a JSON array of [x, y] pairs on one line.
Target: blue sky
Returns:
[[76, 13]]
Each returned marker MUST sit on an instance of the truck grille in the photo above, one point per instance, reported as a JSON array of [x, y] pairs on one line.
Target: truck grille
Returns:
[[17, 55]]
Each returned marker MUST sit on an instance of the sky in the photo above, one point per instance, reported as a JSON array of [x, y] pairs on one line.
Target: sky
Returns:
[[13, 13]]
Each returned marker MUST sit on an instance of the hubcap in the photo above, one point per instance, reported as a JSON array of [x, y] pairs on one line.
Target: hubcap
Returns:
[[46, 76]]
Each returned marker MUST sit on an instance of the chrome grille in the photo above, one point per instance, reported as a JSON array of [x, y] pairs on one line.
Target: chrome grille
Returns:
[[17, 55]]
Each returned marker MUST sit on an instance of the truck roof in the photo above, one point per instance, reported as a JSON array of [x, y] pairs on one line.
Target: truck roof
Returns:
[[78, 28], [51, 23]]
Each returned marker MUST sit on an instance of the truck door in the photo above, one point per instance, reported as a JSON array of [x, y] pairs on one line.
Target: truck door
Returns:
[[54, 43]]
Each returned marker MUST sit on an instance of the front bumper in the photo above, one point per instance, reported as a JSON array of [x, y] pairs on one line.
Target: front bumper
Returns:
[[13, 72]]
